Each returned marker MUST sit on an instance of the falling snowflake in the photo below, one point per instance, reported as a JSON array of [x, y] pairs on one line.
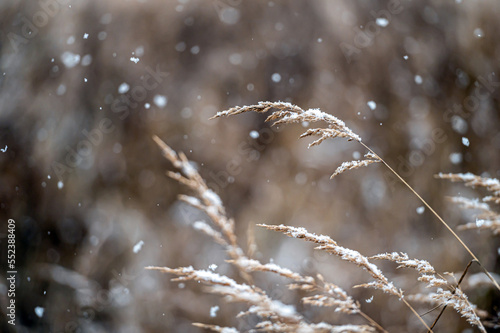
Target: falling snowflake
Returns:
[[138, 246]]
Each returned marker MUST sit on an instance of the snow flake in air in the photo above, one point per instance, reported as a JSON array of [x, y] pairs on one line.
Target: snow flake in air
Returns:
[[254, 134], [160, 101], [123, 88], [276, 77], [39, 311], [69, 59], [138, 246], [372, 105], [382, 22]]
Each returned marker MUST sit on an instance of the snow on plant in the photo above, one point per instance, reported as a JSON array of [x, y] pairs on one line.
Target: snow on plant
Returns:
[[276, 316]]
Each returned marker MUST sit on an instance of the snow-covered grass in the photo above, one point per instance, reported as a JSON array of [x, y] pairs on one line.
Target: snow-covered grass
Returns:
[[276, 316]]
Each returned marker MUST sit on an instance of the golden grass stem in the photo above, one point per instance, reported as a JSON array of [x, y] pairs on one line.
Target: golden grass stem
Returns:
[[416, 314], [437, 215], [372, 321]]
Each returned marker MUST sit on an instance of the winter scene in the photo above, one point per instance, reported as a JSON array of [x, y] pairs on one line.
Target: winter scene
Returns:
[[250, 166]]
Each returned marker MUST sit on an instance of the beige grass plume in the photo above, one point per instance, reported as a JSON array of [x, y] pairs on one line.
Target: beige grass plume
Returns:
[[486, 218], [325, 243], [454, 297], [370, 158], [289, 113]]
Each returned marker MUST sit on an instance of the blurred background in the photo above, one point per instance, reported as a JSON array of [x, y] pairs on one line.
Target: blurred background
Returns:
[[84, 85]]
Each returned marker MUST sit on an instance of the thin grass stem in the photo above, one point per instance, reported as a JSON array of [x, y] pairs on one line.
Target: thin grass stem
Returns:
[[416, 314], [458, 285], [437, 215], [372, 321]]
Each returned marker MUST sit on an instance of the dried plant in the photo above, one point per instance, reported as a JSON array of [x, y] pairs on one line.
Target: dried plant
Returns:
[[327, 244], [260, 303], [289, 113], [492, 185], [268, 326], [216, 328], [370, 158], [279, 317], [206, 200], [451, 296], [486, 218]]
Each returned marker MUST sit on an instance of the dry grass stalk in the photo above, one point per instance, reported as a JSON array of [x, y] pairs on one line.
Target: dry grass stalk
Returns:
[[268, 326], [262, 305], [423, 267], [475, 203], [284, 318], [370, 158], [429, 300], [205, 200], [455, 298], [492, 185], [487, 218], [216, 328], [482, 224], [460, 303], [327, 244], [289, 113], [331, 294], [280, 316], [251, 265]]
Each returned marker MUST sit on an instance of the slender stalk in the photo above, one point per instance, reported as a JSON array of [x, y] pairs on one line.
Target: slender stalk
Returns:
[[458, 285], [416, 314], [372, 321], [435, 214]]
